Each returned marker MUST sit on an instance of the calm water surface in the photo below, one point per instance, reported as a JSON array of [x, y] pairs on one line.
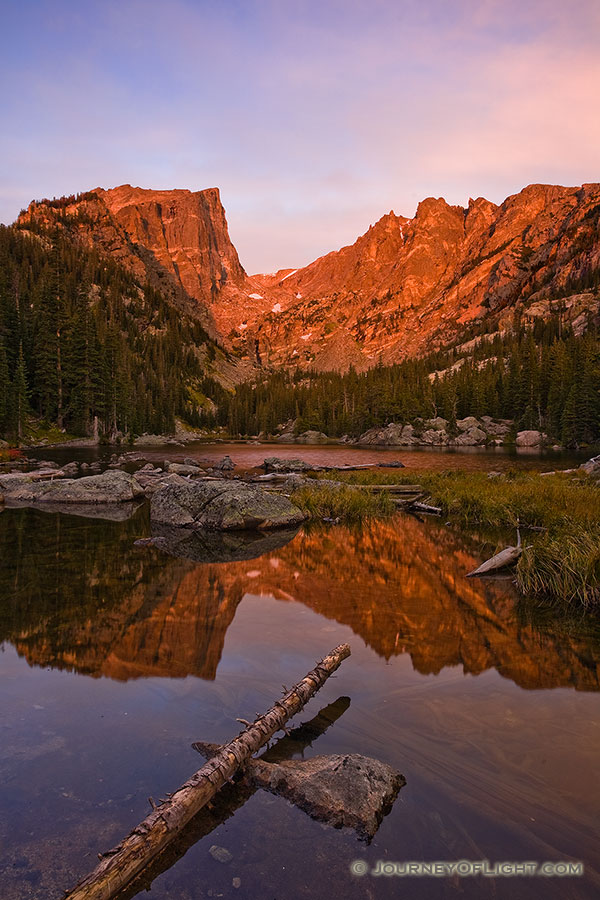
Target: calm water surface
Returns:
[[249, 455], [116, 658]]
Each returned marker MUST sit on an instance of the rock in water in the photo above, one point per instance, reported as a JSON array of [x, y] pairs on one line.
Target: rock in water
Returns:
[[222, 505], [109, 487], [276, 464], [225, 465], [221, 854], [350, 790]]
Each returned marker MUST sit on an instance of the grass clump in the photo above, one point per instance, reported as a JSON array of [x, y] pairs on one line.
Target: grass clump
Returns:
[[561, 564], [341, 502], [564, 566]]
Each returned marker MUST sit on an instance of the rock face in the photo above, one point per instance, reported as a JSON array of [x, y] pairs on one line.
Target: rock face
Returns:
[[109, 487], [350, 791], [176, 239], [409, 286], [222, 505], [404, 288]]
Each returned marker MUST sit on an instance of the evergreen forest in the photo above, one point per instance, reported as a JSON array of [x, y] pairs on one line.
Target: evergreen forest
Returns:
[[86, 348], [542, 377]]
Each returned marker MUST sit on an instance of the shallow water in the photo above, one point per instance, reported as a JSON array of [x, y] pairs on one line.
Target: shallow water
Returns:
[[116, 658], [248, 455]]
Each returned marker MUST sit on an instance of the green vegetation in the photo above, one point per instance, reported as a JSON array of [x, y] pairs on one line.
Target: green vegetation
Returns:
[[544, 377], [86, 349], [563, 562], [347, 503]]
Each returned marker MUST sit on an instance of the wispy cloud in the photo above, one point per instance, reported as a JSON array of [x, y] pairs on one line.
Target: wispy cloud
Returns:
[[314, 118]]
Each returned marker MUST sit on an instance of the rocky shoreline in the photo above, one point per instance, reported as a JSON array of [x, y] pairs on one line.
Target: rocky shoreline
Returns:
[[436, 432]]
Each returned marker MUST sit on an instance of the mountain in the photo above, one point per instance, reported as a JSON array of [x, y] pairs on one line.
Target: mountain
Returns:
[[176, 240], [411, 286], [405, 288]]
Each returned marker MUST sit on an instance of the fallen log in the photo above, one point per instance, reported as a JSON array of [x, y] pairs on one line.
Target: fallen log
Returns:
[[501, 560], [426, 508], [391, 488], [119, 866]]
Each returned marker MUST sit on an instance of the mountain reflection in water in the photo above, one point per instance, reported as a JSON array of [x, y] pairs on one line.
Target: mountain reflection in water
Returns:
[[79, 596]]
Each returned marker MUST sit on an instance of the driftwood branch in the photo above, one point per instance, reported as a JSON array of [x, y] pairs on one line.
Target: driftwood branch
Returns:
[[120, 865], [501, 560]]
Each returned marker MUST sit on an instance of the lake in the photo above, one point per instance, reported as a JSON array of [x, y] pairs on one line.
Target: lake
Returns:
[[116, 658]]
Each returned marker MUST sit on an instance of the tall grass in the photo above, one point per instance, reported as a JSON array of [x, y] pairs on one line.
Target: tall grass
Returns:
[[344, 502], [563, 562]]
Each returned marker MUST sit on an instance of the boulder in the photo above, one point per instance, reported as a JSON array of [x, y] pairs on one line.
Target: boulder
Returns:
[[438, 424], [348, 790], [467, 423], [183, 469], [275, 464], [152, 481], [71, 468], [434, 437], [286, 438], [312, 437], [14, 480], [110, 487], [530, 439], [225, 465], [471, 438], [592, 466], [222, 505], [391, 435]]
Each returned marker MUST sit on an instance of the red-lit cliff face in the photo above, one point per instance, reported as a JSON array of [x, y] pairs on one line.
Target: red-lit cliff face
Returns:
[[405, 287], [178, 240], [409, 286]]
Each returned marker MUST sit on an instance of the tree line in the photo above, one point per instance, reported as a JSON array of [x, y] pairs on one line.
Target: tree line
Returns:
[[85, 347], [542, 377]]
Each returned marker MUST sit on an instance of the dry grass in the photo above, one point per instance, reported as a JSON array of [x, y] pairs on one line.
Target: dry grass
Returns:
[[563, 562]]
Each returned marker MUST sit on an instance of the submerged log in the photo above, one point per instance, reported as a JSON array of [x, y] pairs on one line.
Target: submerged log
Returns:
[[348, 790], [120, 865], [426, 508], [501, 560], [391, 488]]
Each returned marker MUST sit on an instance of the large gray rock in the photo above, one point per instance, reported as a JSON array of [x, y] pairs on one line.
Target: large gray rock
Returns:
[[109, 487], [13, 480], [473, 437], [153, 481], [438, 424], [392, 435], [222, 505], [184, 469], [467, 423], [349, 790], [592, 466], [276, 464], [312, 437], [435, 437], [530, 439]]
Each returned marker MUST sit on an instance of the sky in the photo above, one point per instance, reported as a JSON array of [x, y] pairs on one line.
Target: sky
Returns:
[[313, 117]]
